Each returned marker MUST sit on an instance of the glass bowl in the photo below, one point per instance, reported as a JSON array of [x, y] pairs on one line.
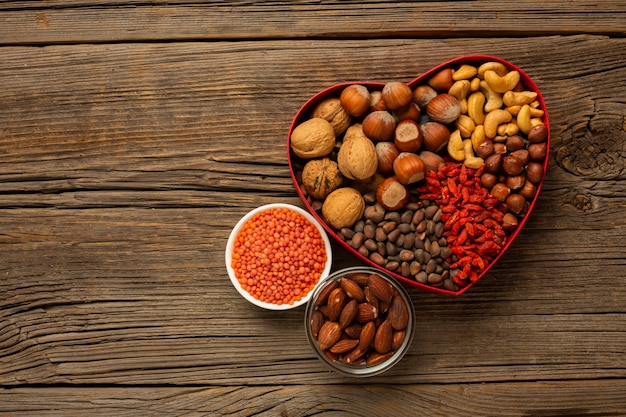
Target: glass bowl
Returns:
[[368, 361]]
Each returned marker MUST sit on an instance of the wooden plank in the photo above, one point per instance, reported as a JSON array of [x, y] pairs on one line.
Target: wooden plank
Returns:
[[550, 398], [54, 22]]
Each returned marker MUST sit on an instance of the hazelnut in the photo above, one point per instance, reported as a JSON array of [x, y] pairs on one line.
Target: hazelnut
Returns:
[[408, 136], [423, 94], [488, 180], [432, 161], [379, 125], [313, 138], [320, 177], [444, 108], [538, 133], [436, 136], [534, 172], [355, 99], [537, 151], [332, 111], [493, 163], [512, 166], [409, 168], [397, 95], [515, 182], [522, 155], [514, 143], [386, 153], [485, 149], [410, 112], [391, 194], [442, 80], [500, 192], [516, 203], [528, 190], [509, 222], [376, 101], [499, 148], [343, 207], [357, 158]]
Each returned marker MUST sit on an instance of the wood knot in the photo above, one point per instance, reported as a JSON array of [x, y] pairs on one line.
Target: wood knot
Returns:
[[597, 154], [582, 202]]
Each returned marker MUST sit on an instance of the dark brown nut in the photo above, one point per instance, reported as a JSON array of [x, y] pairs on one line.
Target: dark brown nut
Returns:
[[322, 298], [515, 182], [534, 172], [516, 203], [514, 143], [336, 301], [379, 126], [436, 136], [317, 320], [538, 133], [329, 334], [354, 330], [493, 164], [344, 346], [509, 222], [537, 151], [522, 155], [367, 335], [485, 149], [367, 312], [348, 313], [512, 166], [380, 288], [500, 192], [488, 180], [528, 190], [352, 289], [354, 357]]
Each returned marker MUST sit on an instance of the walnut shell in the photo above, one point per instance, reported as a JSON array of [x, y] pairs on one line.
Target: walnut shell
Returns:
[[357, 158], [343, 207], [332, 111], [320, 177], [313, 138]]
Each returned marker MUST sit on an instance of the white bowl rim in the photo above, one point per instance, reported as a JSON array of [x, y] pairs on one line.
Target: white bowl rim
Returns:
[[230, 246]]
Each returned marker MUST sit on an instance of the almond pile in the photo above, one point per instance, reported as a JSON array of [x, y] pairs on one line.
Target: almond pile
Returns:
[[359, 318]]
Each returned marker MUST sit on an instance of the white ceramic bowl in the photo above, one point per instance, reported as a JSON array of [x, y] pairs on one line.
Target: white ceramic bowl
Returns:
[[230, 246]]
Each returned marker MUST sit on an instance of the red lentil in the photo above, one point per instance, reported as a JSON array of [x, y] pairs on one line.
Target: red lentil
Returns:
[[278, 256]]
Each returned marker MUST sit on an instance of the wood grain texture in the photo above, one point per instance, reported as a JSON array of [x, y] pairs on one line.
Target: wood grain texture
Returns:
[[124, 165]]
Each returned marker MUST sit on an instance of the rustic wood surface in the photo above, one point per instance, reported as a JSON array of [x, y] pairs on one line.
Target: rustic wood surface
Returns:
[[134, 135]]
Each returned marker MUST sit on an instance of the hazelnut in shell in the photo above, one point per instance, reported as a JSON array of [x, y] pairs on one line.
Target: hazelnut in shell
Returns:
[[409, 168], [313, 138], [391, 194], [442, 80], [379, 125], [444, 108], [436, 136], [432, 161], [343, 207], [387, 152], [408, 136], [397, 95], [320, 177], [423, 94], [333, 112], [355, 99]]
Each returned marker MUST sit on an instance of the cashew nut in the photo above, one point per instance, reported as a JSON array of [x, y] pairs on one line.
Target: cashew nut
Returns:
[[459, 90], [464, 72], [470, 160], [475, 84], [508, 129], [518, 98], [475, 104], [466, 125], [478, 136], [495, 118], [502, 84], [498, 67], [455, 146], [494, 99], [523, 119], [535, 121]]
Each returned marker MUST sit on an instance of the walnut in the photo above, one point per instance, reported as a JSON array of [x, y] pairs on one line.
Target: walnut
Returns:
[[357, 156], [320, 177], [332, 111], [313, 138], [343, 207]]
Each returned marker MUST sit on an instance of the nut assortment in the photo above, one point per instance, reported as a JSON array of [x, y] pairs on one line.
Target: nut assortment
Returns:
[[478, 115], [359, 318]]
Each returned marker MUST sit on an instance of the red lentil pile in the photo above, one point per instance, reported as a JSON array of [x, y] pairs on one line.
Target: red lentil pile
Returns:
[[472, 219], [278, 256]]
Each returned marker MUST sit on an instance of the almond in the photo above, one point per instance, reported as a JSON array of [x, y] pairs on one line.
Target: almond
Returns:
[[344, 346], [367, 335], [348, 313], [384, 337], [375, 358], [367, 312], [336, 301], [360, 278], [370, 297], [380, 288], [317, 319], [322, 297], [398, 338], [329, 334], [353, 330], [354, 357], [398, 314], [352, 289]]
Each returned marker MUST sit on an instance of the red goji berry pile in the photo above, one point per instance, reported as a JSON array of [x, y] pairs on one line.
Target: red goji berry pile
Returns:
[[471, 216]]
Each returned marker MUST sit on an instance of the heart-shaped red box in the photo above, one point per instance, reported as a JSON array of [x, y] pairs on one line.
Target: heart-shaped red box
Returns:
[[295, 163]]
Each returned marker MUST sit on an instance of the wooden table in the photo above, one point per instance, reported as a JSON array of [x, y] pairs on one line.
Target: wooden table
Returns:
[[134, 135]]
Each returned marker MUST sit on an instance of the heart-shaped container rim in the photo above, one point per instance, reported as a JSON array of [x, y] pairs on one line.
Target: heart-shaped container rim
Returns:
[[335, 90]]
